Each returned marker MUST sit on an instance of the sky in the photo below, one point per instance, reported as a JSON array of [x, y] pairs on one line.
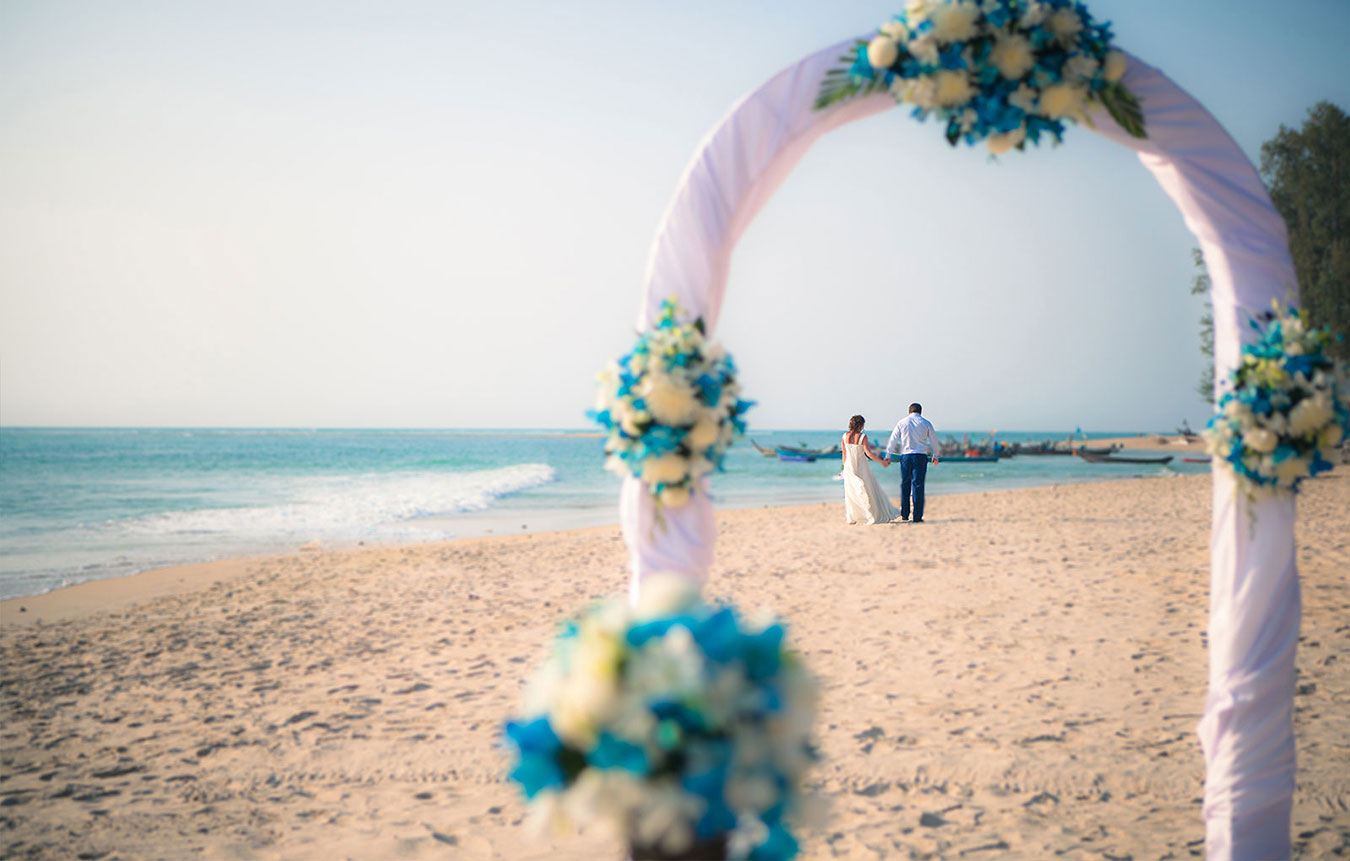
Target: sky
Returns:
[[430, 213]]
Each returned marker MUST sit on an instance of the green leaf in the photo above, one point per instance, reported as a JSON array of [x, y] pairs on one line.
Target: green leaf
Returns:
[[953, 132], [1124, 109]]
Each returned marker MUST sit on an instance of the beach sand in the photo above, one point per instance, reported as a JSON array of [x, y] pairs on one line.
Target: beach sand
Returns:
[[1019, 677]]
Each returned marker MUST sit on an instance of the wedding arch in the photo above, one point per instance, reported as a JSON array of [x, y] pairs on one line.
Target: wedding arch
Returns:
[[1247, 727]]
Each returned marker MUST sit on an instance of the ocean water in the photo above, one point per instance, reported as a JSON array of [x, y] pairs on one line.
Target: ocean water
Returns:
[[83, 504]]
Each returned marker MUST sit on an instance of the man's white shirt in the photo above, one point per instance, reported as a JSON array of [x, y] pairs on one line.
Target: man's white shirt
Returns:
[[913, 434]]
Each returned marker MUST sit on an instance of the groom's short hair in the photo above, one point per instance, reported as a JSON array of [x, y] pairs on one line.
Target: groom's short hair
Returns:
[[916, 408]]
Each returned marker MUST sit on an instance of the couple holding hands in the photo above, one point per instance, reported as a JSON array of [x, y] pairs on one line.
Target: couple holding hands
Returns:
[[915, 441]]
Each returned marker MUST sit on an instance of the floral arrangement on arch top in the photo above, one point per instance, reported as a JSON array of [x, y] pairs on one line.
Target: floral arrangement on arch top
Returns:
[[1003, 71]]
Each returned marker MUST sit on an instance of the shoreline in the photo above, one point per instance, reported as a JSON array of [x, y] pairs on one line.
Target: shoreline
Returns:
[[78, 600]]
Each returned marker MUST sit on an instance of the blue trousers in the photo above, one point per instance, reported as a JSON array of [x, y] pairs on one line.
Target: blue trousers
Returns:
[[913, 470]]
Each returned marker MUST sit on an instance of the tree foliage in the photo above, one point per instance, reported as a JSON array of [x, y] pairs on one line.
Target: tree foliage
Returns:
[[1200, 287], [1307, 171]]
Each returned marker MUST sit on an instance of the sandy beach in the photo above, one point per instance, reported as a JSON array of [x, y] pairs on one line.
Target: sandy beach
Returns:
[[1020, 677]]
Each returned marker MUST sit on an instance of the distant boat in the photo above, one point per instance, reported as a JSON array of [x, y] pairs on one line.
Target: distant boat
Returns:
[[1106, 449], [789, 457], [1111, 458], [967, 458], [813, 452], [767, 452], [1195, 460]]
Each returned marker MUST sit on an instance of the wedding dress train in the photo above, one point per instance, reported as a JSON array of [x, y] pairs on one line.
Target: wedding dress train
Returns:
[[864, 500]]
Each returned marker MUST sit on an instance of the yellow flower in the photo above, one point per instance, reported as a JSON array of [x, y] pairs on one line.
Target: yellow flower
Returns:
[[1114, 67], [1062, 100], [1261, 440], [1065, 24], [669, 399], [1004, 141], [953, 88], [703, 433], [665, 469], [882, 52], [955, 22], [675, 497], [1012, 56]]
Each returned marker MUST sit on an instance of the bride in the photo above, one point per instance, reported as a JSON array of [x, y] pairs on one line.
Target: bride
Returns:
[[863, 497]]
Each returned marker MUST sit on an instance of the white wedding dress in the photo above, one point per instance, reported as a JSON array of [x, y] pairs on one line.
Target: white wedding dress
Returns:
[[864, 500]]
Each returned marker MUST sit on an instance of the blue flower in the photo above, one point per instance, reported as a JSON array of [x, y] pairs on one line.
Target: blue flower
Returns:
[[778, 846], [717, 636], [762, 652], [539, 747], [711, 388], [613, 752]]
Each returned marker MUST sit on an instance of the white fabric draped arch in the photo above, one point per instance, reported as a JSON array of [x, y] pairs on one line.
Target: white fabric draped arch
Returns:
[[1247, 728]]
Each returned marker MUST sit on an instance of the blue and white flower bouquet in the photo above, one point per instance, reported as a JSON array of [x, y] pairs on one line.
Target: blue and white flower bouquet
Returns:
[[670, 408], [675, 723], [1002, 71], [1286, 409]]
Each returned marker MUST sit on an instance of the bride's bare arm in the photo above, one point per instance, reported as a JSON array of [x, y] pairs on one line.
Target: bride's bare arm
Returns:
[[867, 447]]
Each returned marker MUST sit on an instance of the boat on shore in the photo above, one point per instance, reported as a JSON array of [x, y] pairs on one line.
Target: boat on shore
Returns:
[[767, 452], [1114, 458]]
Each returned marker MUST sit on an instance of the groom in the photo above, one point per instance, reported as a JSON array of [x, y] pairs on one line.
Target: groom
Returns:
[[916, 441]]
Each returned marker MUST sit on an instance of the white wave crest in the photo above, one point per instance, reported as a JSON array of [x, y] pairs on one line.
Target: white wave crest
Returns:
[[376, 505]]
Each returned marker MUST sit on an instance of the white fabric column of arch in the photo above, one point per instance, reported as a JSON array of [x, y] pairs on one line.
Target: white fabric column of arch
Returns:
[[1247, 728]]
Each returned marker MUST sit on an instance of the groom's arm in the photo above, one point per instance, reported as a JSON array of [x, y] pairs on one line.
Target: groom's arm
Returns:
[[933, 442], [893, 443]]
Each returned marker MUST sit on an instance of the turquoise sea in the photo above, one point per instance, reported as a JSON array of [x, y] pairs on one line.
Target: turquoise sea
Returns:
[[83, 504]]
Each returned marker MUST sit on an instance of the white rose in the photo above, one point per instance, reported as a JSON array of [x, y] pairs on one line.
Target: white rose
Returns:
[[631, 420], [675, 497], [703, 433], [664, 594], [608, 384], [1062, 100], [924, 49], [920, 92], [670, 400], [1001, 143], [1292, 468], [1310, 415], [1114, 67], [1012, 56], [1065, 24], [1330, 437], [1080, 67], [666, 469], [895, 30], [1024, 97], [953, 88], [1034, 15], [917, 10], [1260, 440], [955, 22], [882, 52]]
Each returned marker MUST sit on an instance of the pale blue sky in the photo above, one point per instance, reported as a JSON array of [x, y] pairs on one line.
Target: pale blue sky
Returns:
[[438, 213]]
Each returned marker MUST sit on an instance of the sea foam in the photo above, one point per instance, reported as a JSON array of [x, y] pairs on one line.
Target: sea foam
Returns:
[[377, 506]]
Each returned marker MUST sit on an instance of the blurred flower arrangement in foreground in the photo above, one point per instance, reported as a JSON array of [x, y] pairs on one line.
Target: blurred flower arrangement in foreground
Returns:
[[1002, 71], [670, 407], [1286, 409], [676, 723]]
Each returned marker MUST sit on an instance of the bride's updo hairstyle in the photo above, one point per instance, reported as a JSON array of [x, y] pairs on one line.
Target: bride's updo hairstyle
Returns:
[[855, 424]]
